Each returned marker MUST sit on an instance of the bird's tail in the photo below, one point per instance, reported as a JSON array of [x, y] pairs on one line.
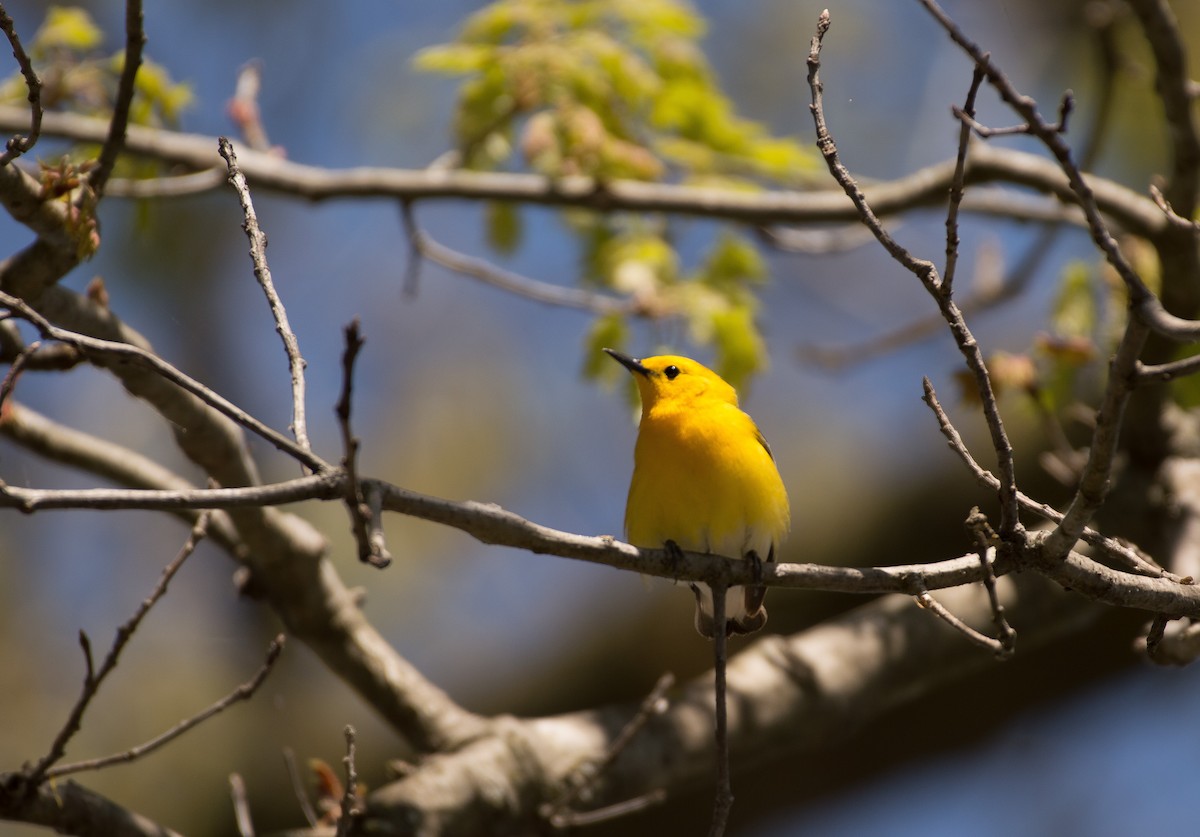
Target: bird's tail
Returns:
[[744, 611]]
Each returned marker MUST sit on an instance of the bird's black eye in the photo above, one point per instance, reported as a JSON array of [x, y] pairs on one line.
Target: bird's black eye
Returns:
[[672, 372]]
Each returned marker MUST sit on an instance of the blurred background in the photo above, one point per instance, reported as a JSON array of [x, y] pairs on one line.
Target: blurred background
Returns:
[[469, 393]]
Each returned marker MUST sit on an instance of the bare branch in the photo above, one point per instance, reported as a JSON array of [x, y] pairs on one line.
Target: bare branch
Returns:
[[795, 695], [315, 487], [127, 352], [578, 785], [364, 503], [92, 682], [350, 802], [925, 271], [173, 186], [1172, 86], [925, 187], [956, 185], [71, 808], [1145, 305], [424, 246], [258, 254], [289, 760], [1172, 643], [1161, 373], [928, 602], [242, 692], [1108, 547], [18, 144], [977, 524], [135, 41], [14, 371], [241, 805], [1094, 482], [114, 462]]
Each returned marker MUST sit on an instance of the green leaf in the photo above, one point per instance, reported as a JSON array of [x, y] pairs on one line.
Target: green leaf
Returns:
[[1074, 313], [733, 262], [503, 221], [454, 59], [608, 331], [741, 351], [67, 27]]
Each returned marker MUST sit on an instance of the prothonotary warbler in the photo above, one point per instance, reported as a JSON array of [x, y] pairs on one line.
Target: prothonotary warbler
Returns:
[[704, 480]]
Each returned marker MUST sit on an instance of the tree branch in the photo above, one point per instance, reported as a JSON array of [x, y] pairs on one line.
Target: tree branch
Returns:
[[924, 187], [73, 809], [95, 679], [19, 144], [135, 40], [258, 255], [926, 272], [790, 696], [96, 347], [242, 692]]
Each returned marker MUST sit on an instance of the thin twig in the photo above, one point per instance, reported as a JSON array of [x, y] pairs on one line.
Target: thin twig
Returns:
[[306, 808], [322, 486], [1109, 547], [350, 810], [365, 522], [116, 463], [1172, 84], [1095, 480], [1171, 642], [243, 692], [95, 678], [241, 805], [172, 186], [977, 524], [127, 352], [1161, 373], [1144, 303], [723, 799], [424, 246], [939, 610], [19, 144], [135, 41], [927, 273], [578, 819], [14, 371], [1055, 216], [956, 185], [576, 787], [258, 254], [1154, 634]]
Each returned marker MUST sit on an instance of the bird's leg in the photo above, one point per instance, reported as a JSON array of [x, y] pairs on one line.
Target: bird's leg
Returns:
[[674, 556], [753, 596]]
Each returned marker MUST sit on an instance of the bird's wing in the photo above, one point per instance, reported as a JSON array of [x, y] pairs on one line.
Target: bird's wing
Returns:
[[762, 440]]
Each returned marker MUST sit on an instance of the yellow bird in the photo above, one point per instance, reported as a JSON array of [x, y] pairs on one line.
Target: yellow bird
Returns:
[[704, 480]]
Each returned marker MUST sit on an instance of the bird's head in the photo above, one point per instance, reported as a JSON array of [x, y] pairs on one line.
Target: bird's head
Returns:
[[676, 380]]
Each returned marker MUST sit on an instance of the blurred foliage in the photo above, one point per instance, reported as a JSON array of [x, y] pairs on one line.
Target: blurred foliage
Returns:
[[76, 76], [621, 89], [1063, 366]]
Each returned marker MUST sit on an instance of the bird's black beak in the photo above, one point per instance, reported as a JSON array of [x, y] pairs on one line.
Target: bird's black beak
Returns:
[[633, 364]]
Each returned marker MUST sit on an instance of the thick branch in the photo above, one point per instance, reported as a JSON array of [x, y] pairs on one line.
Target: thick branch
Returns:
[[788, 697], [73, 809]]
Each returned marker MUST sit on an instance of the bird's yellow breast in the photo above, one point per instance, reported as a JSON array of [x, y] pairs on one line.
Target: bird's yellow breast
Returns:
[[704, 478]]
